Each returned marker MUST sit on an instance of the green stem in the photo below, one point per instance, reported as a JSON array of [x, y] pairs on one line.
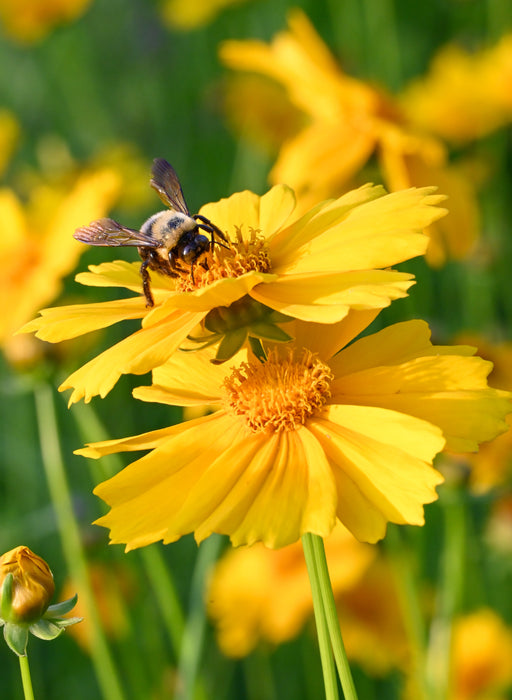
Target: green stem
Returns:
[[71, 540], [25, 678], [331, 614], [193, 636], [328, 668], [450, 592], [410, 605]]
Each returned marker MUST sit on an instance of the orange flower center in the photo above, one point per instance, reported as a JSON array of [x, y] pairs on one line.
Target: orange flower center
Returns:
[[232, 259], [279, 394]]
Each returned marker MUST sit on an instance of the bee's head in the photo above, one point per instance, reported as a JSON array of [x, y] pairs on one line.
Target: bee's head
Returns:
[[194, 247]]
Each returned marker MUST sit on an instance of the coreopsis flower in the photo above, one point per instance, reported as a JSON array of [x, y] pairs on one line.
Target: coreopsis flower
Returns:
[[26, 588], [314, 267], [481, 657], [256, 594], [319, 432], [346, 122], [36, 248], [32, 20], [464, 96]]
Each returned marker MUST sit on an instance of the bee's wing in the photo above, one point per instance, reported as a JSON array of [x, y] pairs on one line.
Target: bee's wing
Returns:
[[165, 181], [109, 233]]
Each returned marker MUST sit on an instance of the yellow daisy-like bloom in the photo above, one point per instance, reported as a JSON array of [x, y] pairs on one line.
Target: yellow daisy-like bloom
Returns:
[[258, 594], [464, 96], [31, 20], [315, 268], [307, 437], [36, 248], [346, 122], [482, 657]]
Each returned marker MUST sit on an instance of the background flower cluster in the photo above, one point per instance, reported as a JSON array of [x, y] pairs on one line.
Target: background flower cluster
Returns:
[[240, 95]]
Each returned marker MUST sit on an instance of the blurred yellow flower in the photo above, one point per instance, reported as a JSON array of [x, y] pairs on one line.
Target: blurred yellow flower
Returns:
[[348, 121], [32, 20], [257, 594], [113, 587], [481, 657], [189, 14], [307, 437], [9, 132], [36, 246], [315, 267], [464, 96]]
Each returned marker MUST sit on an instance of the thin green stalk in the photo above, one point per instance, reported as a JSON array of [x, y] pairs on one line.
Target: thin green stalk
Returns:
[[71, 542], [154, 563], [333, 625], [193, 636], [450, 593], [409, 600], [326, 654], [26, 680]]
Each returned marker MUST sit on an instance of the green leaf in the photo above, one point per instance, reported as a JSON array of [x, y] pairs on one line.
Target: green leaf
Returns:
[[16, 637]]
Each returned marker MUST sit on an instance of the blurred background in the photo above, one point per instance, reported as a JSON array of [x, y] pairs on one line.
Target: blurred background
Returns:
[[323, 95]]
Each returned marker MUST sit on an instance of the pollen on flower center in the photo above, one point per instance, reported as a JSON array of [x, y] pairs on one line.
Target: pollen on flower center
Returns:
[[279, 394], [231, 259]]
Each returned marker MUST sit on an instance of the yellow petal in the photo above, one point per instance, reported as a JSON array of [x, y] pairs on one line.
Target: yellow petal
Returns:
[[137, 354], [376, 234], [63, 322], [387, 457], [146, 496], [326, 339], [243, 488], [327, 298], [189, 379]]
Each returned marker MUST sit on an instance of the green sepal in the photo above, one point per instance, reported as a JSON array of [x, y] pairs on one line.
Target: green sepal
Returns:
[[230, 345], [16, 637], [268, 331], [61, 608], [6, 597], [45, 629], [277, 317]]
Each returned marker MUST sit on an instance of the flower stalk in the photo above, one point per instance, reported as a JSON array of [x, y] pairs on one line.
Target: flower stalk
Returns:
[[26, 679]]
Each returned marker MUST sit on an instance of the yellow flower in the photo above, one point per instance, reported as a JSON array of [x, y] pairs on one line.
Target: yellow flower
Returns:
[[36, 248], [31, 20], [347, 122], [189, 14], [259, 594], [315, 267], [307, 437], [465, 95], [482, 657], [33, 585]]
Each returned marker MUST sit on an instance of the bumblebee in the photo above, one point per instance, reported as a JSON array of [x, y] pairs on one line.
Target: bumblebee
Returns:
[[167, 240]]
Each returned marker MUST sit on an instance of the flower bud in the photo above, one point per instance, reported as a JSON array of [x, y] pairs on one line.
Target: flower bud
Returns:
[[32, 585]]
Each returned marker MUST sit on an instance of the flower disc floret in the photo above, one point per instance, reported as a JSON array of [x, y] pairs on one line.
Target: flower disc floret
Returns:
[[240, 255], [278, 395]]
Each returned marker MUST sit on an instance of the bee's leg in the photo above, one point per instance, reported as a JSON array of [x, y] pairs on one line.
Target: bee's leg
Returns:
[[207, 225], [146, 282]]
